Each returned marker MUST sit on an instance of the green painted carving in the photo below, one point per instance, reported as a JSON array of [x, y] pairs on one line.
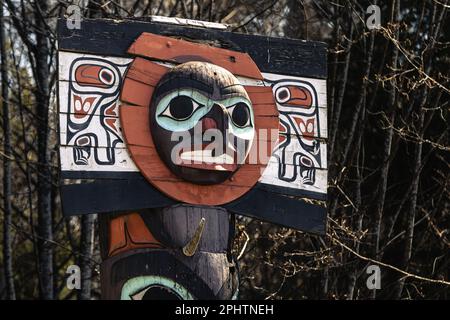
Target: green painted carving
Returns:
[[135, 288], [201, 105]]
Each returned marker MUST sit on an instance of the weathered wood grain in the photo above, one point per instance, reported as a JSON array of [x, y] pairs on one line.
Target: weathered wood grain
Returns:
[[270, 177], [66, 58], [174, 50], [205, 276], [264, 204], [123, 161], [263, 201], [111, 195], [283, 56]]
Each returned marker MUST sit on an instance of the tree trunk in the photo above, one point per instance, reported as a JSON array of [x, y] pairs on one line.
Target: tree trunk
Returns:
[[45, 221], [86, 250], [7, 156]]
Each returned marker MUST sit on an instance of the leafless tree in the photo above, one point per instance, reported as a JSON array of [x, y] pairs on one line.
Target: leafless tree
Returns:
[[388, 93]]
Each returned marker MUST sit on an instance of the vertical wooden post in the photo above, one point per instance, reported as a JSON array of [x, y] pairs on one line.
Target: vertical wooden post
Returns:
[[143, 254]]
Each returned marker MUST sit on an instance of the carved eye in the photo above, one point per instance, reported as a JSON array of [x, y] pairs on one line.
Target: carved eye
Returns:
[[306, 161], [240, 114], [181, 108], [106, 76], [282, 95], [156, 292]]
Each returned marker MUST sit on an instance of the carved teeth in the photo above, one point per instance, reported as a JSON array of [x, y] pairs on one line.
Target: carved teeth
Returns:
[[205, 156]]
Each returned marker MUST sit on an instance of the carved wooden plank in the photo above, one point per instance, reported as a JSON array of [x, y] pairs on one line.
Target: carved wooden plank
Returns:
[[115, 195], [108, 195], [291, 154], [138, 71], [106, 129], [67, 103], [262, 203], [174, 50], [126, 164], [95, 159], [291, 111], [314, 180], [276, 55], [66, 59]]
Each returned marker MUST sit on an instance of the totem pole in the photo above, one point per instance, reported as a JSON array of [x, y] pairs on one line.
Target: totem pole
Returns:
[[170, 127]]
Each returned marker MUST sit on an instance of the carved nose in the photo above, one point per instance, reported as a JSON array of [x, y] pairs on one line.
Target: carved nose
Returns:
[[208, 123], [219, 106], [221, 113]]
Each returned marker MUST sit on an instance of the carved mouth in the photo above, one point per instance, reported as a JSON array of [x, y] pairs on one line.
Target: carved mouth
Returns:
[[204, 159]]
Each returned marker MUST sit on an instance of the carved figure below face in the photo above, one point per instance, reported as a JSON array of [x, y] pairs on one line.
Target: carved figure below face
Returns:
[[202, 122]]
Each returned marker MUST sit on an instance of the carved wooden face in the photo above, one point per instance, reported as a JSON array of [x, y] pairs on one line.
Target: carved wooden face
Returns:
[[190, 129], [202, 122]]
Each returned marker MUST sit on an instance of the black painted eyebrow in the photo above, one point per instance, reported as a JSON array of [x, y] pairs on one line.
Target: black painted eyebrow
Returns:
[[178, 83], [231, 89]]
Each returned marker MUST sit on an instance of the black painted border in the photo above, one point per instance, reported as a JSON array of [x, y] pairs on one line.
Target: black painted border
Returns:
[[101, 197], [274, 55], [116, 195]]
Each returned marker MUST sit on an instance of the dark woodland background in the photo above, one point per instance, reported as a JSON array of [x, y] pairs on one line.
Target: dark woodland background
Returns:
[[388, 103]]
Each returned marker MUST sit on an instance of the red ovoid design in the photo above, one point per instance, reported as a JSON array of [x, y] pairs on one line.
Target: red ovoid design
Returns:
[[149, 84]]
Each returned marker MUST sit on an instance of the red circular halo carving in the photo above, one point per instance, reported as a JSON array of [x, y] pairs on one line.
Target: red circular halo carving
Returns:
[[142, 77]]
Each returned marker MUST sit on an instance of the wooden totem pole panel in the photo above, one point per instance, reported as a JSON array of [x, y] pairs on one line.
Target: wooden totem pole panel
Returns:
[[143, 256], [131, 93], [95, 146]]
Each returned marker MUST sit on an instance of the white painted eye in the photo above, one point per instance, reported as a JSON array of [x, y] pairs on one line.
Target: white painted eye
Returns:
[[240, 114], [306, 161], [282, 95], [181, 108]]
